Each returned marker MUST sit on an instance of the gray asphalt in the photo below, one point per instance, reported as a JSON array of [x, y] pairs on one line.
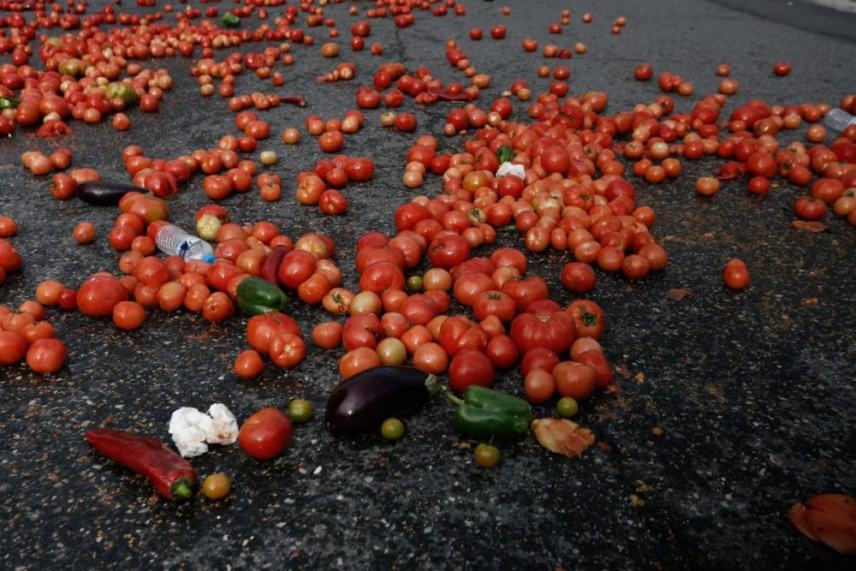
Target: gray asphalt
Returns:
[[753, 390]]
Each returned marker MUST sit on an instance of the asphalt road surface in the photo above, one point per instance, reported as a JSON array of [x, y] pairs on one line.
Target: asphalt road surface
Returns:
[[753, 391]]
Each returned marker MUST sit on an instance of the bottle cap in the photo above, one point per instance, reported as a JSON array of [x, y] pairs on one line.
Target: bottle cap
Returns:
[[209, 258]]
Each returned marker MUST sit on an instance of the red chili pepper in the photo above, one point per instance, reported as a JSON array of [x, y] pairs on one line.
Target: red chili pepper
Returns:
[[299, 101], [172, 475], [53, 129], [443, 95], [730, 171], [270, 267]]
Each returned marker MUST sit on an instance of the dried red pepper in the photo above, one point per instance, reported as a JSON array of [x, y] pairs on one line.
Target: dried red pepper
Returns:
[[172, 475]]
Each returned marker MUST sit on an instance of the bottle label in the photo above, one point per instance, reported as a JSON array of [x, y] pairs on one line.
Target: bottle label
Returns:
[[183, 248]]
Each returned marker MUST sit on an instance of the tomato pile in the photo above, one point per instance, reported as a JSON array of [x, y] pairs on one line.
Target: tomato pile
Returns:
[[556, 167]]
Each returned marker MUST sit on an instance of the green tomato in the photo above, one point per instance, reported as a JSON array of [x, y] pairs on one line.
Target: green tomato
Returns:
[[392, 429], [567, 407], [414, 283], [486, 455], [300, 411]]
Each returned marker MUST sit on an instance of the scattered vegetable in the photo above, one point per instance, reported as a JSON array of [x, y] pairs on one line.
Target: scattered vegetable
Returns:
[[487, 414], [172, 475]]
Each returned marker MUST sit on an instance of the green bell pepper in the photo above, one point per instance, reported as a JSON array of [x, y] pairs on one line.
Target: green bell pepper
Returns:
[[8, 103], [505, 154], [230, 20], [488, 414], [257, 296]]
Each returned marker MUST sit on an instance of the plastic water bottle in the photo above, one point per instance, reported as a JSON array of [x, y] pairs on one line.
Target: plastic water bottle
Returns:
[[839, 119], [174, 241]]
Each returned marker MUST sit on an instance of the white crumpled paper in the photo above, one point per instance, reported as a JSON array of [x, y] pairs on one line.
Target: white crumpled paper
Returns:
[[510, 168], [192, 431]]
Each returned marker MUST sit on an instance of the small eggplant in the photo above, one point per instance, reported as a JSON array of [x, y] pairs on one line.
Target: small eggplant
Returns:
[[105, 193], [362, 403]]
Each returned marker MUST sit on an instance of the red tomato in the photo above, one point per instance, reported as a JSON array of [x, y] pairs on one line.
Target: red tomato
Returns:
[[538, 358], [525, 291], [381, 276], [510, 257], [448, 251], [578, 277], [574, 379], [287, 350], [355, 362], [502, 351], [361, 331], [295, 268], [265, 435], [588, 318], [470, 367], [736, 274], [13, 347], [597, 361], [539, 386], [261, 329], [459, 333], [46, 356], [470, 286], [99, 294], [554, 331], [419, 309], [496, 303]]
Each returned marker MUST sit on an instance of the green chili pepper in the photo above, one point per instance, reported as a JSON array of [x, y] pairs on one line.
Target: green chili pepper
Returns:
[[505, 154], [485, 414], [231, 21], [8, 103], [257, 296]]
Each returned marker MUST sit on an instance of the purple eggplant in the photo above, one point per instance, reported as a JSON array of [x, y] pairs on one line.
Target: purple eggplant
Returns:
[[362, 403], [104, 192]]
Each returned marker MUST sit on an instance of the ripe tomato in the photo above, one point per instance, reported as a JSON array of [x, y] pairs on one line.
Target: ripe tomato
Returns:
[[381, 276], [496, 303], [538, 358], [578, 277], [46, 356], [430, 358], [249, 364], [574, 379], [287, 350], [539, 386], [809, 208], [469, 287], [588, 318], [510, 257], [13, 347], [448, 250], [554, 331], [99, 294], [597, 361], [361, 331], [736, 274], [460, 333], [295, 268], [327, 335], [502, 351], [355, 362], [470, 367], [526, 291], [128, 315], [261, 329], [265, 435]]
